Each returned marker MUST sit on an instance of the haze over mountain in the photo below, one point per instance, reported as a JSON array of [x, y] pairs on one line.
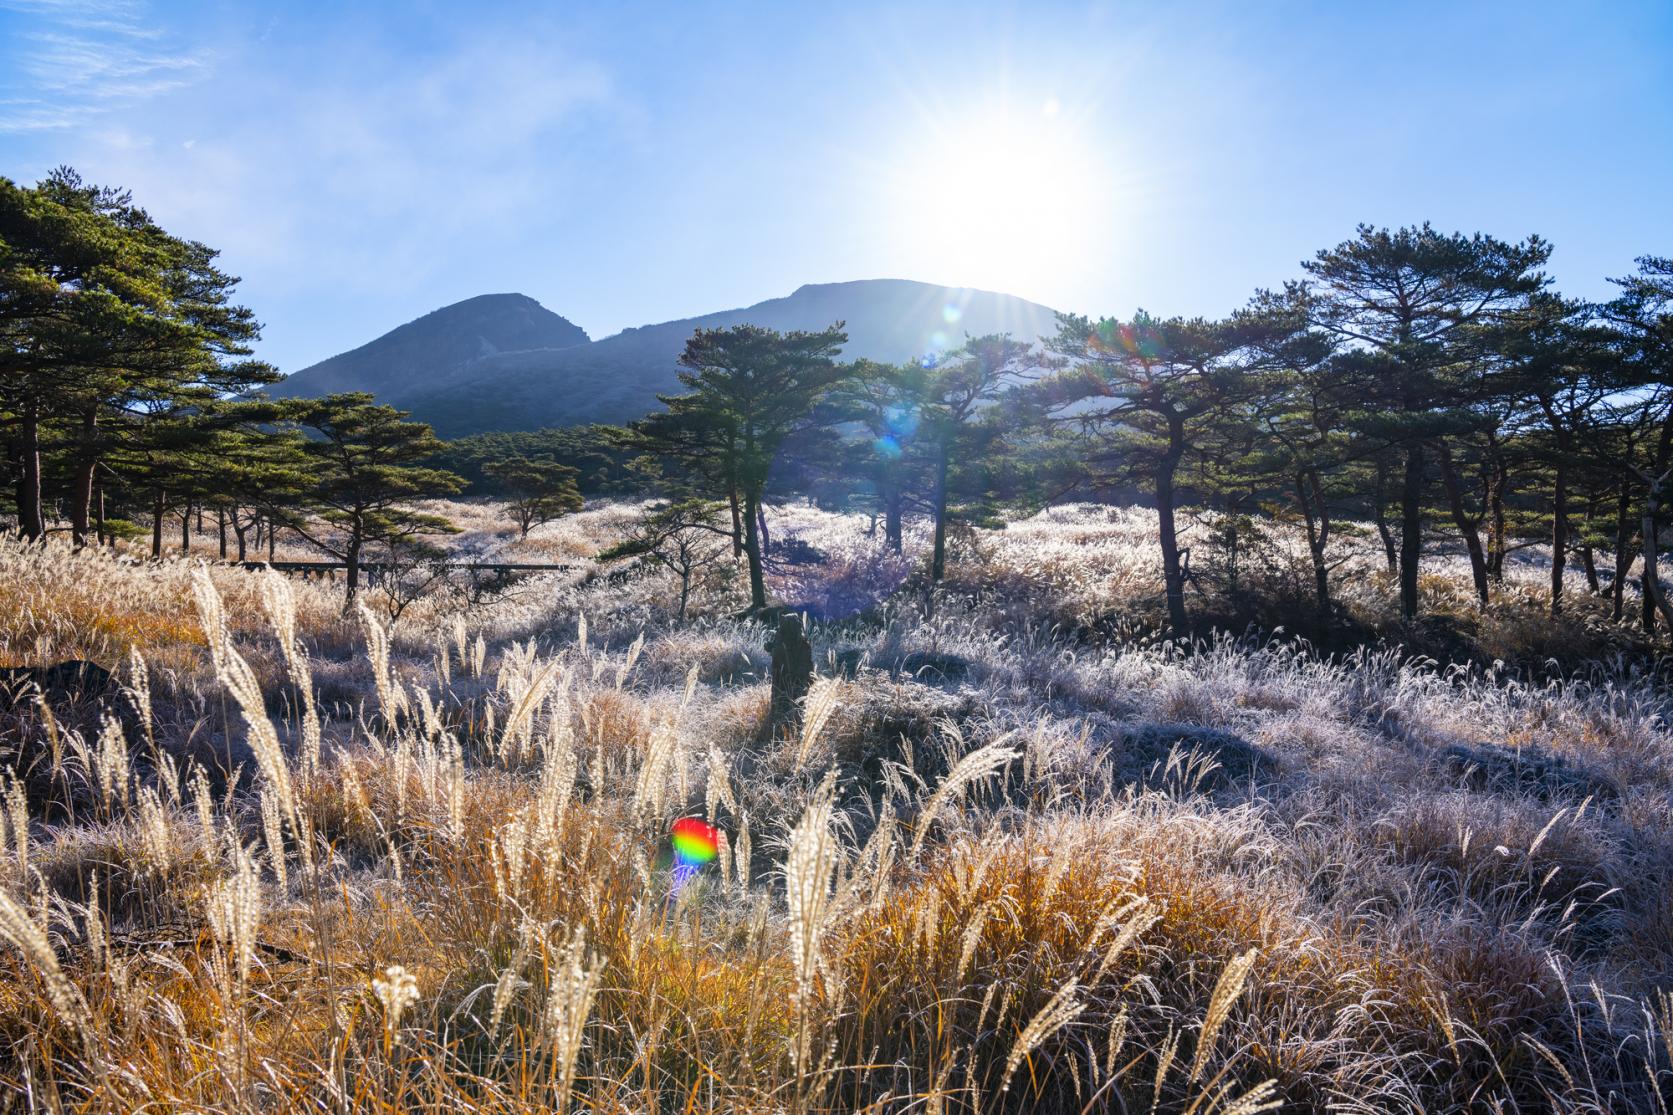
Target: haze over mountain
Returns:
[[462, 370]]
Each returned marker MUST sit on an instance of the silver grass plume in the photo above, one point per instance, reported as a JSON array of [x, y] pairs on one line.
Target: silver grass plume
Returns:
[[1226, 993], [982, 763], [569, 1001], [808, 869], [29, 938]]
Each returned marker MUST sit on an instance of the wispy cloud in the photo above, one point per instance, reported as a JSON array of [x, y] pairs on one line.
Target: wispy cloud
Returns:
[[72, 61]]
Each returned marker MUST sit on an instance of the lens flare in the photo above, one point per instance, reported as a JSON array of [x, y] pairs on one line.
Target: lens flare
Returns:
[[902, 421], [1140, 340], [695, 842]]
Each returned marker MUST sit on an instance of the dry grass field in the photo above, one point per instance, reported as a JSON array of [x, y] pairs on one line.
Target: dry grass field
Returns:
[[1024, 854]]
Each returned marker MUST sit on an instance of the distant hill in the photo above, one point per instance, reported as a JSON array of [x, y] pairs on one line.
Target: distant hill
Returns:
[[440, 348], [617, 379]]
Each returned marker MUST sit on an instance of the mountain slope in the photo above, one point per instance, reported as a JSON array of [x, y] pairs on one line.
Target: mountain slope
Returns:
[[439, 348], [617, 379]]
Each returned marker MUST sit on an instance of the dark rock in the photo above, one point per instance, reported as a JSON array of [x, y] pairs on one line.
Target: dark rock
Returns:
[[791, 673]]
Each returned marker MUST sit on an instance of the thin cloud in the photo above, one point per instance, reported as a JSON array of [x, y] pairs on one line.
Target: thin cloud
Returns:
[[357, 143], [76, 60]]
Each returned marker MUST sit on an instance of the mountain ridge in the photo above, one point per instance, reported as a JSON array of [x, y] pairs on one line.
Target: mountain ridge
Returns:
[[435, 347], [617, 378]]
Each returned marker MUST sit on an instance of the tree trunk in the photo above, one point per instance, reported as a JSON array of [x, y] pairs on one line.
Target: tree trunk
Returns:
[[891, 519], [272, 539], [351, 559], [1310, 495], [31, 519], [1380, 516], [157, 511], [81, 490], [752, 552], [1467, 527], [1559, 535], [221, 532], [1588, 558], [1233, 549], [938, 556], [1411, 530], [1623, 552], [1498, 483], [1647, 545], [761, 521], [1173, 577], [239, 530], [1649, 534], [99, 515], [186, 529], [737, 524], [1654, 600]]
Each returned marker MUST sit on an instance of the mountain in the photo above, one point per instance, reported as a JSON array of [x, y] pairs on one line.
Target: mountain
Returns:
[[438, 349], [617, 379]]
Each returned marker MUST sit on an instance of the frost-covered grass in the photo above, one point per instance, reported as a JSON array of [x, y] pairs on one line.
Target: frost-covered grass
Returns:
[[1030, 855]]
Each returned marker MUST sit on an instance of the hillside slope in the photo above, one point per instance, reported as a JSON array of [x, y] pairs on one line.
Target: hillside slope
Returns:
[[617, 379], [428, 354]]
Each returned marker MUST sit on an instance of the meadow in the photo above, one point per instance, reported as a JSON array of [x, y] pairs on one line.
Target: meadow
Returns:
[[1025, 853]]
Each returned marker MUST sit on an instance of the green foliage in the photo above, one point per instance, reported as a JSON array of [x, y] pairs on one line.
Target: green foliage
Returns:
[[367, 463], [684, 537], [1426, 382], [1406, 305], [601, 467], [879, 400], [538, 491], [962, 431], [1143, 394], [106, 322], [749, 389]]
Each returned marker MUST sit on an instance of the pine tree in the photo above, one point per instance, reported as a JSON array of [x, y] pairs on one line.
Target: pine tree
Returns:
[[1302, 447], [683, 537], [1399, 301], [958, 431], [1141, 393], [884, 401], [537, 491], [1643, 316], [367, 466], [750, 388], [105, 319]]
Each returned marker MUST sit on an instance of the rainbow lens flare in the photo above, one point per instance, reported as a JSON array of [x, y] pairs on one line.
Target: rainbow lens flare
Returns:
[[695, 842]]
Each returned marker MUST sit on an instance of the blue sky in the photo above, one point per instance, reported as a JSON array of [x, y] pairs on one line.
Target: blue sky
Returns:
[[626, 163]]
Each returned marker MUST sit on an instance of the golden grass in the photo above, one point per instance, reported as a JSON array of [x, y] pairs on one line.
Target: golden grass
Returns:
[[463, 899]]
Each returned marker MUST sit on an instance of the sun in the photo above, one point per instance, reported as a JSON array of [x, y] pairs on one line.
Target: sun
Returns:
[[1008, 198]]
